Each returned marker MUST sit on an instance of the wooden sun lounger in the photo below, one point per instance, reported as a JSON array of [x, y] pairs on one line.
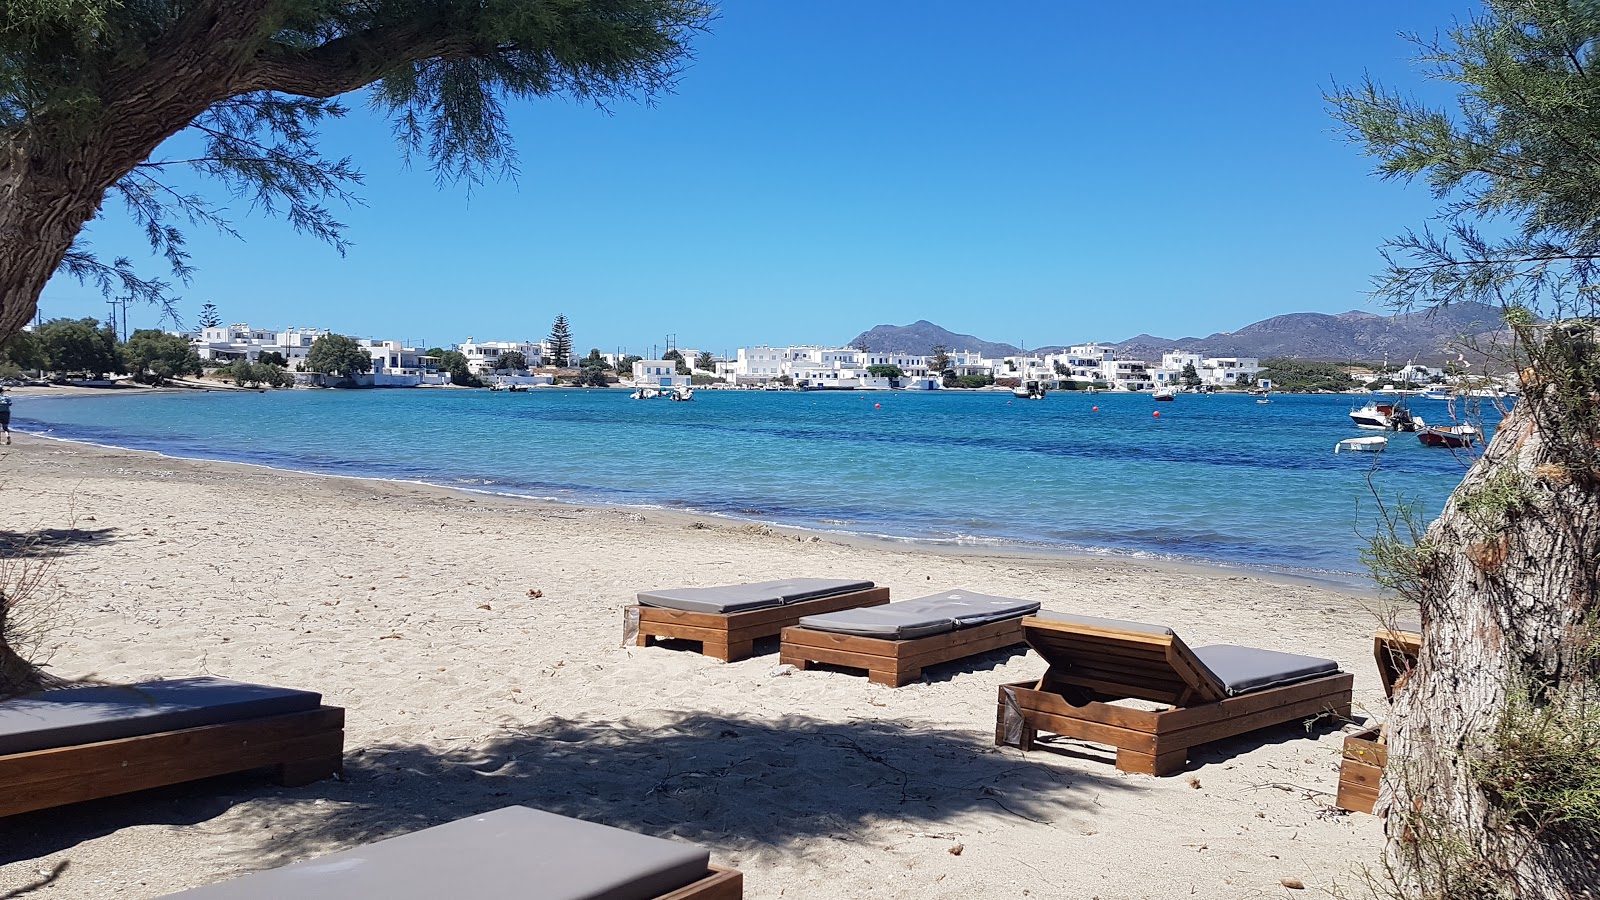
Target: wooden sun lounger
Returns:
[[890, 662], [1094, 662], [731, 637], [1395, 648], [515, 852], [299, 747]]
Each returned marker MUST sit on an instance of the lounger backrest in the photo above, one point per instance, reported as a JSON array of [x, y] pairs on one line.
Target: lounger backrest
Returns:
[[1120, 659], [1395, 647]]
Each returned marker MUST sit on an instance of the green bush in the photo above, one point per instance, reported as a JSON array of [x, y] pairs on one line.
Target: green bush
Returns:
[[974, 381]]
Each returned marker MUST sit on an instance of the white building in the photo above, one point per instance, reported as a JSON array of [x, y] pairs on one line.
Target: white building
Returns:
[[658, 373], [484, 356], [226, 343], [1213, 371]]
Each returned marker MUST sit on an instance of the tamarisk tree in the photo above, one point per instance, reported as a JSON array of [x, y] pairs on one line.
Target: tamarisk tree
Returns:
[[90, 89], [1493, 780]]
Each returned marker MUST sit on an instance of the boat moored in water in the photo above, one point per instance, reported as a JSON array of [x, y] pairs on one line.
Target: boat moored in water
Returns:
[[1165, 393], [1454, 437], [1029, 390], [1371, 444]]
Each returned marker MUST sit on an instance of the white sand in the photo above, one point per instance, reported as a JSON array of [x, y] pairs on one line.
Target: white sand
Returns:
[[409, 606]]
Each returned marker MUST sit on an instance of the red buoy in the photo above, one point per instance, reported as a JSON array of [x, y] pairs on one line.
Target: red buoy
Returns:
[[1157, 414], [1096, 409], [880, 406]]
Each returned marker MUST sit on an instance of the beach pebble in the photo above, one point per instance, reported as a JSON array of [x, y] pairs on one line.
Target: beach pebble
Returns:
[[784, 669]]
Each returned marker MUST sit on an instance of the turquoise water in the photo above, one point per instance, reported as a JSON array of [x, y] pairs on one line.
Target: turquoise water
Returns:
[[1216, 479]]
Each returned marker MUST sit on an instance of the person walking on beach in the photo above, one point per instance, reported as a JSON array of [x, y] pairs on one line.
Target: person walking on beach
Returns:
[[5, 415]]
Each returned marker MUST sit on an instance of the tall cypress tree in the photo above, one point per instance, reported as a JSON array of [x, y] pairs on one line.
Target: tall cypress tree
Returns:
[[560, 343]]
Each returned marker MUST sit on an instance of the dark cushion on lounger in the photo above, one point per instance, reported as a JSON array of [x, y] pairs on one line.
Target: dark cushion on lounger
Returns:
[[1096, 622], [908, 619], [734, 598], [85, 715], [514, 852], [1245, 669]]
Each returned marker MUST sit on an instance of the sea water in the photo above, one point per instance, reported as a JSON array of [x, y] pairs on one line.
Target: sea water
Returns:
[[1215, 479]]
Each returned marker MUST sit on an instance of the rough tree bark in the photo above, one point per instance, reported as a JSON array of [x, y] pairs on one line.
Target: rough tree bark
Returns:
[[1509, 582], [54, 174]]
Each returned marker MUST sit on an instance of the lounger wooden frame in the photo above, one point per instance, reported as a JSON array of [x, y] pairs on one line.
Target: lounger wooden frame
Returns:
[[890, 662], [1367, 752], [1396, 651], [301, 747], [1091, 667], [731, 637], [719, 884]]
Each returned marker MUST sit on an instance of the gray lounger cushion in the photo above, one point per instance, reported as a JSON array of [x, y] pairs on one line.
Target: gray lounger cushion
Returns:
[[904, 620], [734, 598], [1245, 669], [514, 852], [85, 715], [1096, 622]]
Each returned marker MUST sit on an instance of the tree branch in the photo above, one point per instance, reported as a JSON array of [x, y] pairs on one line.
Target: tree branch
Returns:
[[354, 60]]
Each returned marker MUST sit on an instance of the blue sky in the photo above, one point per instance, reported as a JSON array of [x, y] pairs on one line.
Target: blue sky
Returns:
[[1046, 172]]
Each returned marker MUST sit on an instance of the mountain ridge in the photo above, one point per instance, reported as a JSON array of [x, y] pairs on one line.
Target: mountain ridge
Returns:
[[1354, 335]]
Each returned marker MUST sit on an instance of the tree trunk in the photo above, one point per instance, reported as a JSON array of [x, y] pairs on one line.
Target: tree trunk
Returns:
[[1507, 580]]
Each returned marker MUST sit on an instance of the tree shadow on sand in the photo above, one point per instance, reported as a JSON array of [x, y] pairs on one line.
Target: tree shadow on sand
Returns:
[[42, 542], [733, 784]]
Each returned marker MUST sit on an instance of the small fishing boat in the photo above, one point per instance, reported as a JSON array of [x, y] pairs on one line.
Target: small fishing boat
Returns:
[[646, 393], [1452, 436], [1435, 395], [1167, 393], [681, 394], [497, 386], [1263, 399], [1029, 390], [517, 388], [1372, 444]]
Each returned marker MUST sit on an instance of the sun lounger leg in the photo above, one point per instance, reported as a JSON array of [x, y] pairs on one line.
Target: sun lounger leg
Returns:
[[306, 771], [730, 651], [1147, 764], [893, 677]]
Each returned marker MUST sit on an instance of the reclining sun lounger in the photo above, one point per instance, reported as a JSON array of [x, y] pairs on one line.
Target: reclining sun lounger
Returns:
[[1211, 692], [514, 852], [894, 642], [727, 620], [1366, 753], [83, 743]]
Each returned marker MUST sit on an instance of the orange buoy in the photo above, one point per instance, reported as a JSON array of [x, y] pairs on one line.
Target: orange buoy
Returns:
[[1156, 414]]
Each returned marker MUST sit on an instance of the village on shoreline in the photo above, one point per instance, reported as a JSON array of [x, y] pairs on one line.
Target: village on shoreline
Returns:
[[238, 356]]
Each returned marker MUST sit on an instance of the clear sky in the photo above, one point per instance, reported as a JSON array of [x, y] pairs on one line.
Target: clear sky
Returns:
[[1047, 172]]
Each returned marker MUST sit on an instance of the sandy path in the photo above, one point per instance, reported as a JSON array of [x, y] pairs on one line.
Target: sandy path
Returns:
[[410, 606]]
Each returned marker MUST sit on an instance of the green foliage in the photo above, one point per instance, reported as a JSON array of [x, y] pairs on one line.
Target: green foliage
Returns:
[[272, 358], [1542, 765], [939, 360], [78, 345], [337, 354], [885, 372], [595, 361], [256, 374], [592, 376], [455, 363], [157, 356], [71, 70], [560, 344], [972, 381], [209, 317], [700, 379], [680, 366], [1191, 377], [705, 362], [625, 365], [1515, 147], [512, 361], [1492, 503], [23, 351], [1304, 375], [1398, 554]]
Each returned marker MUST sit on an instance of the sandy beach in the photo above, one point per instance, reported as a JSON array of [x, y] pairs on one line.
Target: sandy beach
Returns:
[[476, 644]]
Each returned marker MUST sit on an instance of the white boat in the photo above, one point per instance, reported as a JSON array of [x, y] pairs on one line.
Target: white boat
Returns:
[[647, 393], [1263, 400], [1029, 390], [681, 393], [1165, 393], [1435, 395], [1373, 415], [1372, 444]]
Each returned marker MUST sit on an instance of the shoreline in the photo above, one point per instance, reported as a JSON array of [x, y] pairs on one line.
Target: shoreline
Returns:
[[1347, 583], [476, 644]]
